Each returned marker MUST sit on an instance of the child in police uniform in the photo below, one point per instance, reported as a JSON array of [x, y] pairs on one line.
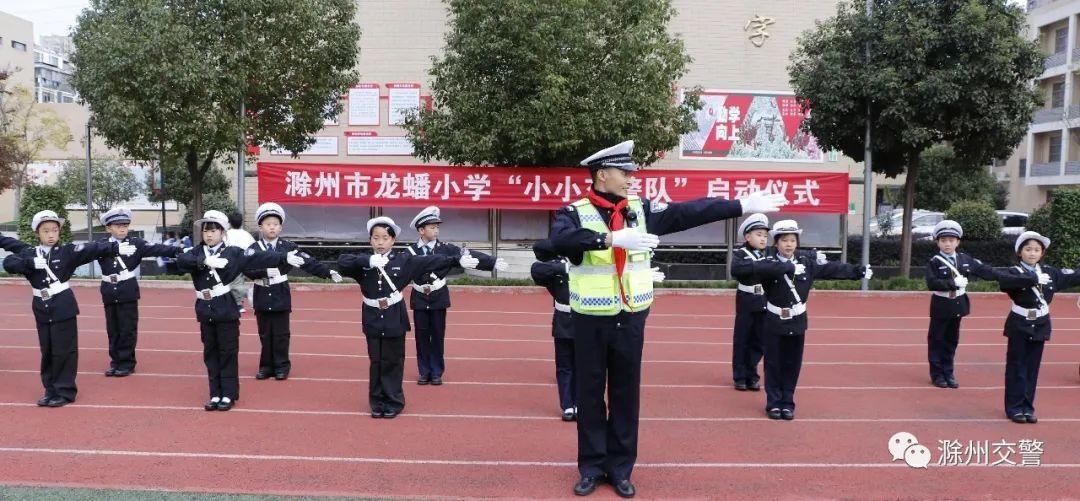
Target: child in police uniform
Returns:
[[787, 277], [430, 297], [48, 267], [551, 271], [1031, 287], [946, 277], [120, 290], [381, 276], [272, 299], [747, 345], [213, 266]]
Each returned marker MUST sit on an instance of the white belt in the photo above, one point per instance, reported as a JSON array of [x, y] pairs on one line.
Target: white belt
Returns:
[[211, 293], [52, 290], [435, 285], [1031, 313], [384, 303], [786, 313], [118, 277], [565, 308], [951, 294], [267, 282], [755, 289]]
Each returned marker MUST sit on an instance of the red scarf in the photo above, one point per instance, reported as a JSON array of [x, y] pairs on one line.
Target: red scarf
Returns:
[[617, 223]]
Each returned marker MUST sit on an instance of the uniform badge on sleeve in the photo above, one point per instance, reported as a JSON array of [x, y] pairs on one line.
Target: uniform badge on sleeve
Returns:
[[1068, 271], [79, 247], [249, 252], [657, 206]]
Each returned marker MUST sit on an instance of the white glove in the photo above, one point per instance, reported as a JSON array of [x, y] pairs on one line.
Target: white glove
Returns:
[[800, 268], [335, 276], [273, 273], [40, 263], [378, 261], [501, 265], [468, 262], [868, 274], [126, 249], [1044, 279], [632, 239], [961, 282], [822, 259], [657, 275], [294, 259], [760, 201], [215, 262]]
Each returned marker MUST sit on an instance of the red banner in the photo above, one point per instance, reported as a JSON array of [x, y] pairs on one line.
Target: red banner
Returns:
[[529, 188]]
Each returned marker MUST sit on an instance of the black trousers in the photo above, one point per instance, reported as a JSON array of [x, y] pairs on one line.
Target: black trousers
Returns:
[[387, 355], [122, 325], [607, 355], [430, 341], [564, 371], [221, 347], [783, 362], [274, 335], [941, 343], [748, 346], [1022, 361], [59, 343]]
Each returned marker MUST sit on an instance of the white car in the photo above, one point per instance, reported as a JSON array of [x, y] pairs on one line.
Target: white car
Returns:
[[922, 223], [1012, 222]]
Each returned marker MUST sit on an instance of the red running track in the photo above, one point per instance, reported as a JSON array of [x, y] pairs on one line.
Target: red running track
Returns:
[[494, 430]]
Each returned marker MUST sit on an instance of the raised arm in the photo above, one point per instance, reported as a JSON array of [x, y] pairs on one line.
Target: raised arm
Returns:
[[146, 249], [353, 265], [546, 272], [12, 245], [18, 264], [936, 283], [570, 239], [417, 266], [92, 251], [837, 270], [680, 216], [773, 268]]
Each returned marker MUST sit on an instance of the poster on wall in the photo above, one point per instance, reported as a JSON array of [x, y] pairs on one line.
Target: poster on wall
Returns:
[[364, 104], [403, 97], [370, 143], [750, 126], [323, 145]]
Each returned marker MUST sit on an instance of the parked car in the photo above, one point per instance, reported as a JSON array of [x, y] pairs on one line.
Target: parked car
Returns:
[[1013, 223], [922, 223]]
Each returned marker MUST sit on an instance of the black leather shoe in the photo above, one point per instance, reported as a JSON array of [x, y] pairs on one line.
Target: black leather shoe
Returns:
[[754, 385], [57, 402], [436, 381], [110, 373], [122, 373], [1019, 418], [951, 381], [423, 380], [44, 401], [210, 405], [1031, 418], [740, 385], [586, 486], [281, 376], [624, 488], [262, 375], [225, 405], [376, 414], [787, 414], [390, 414], [774, 413], [941, 383]]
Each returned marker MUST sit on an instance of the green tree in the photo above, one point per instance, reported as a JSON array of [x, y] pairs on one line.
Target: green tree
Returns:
[[112, 182], [938, 71], [29, 129], [943, 181], [37, 198], [165, 79], [178, 183], [9, 145], [523, 82]]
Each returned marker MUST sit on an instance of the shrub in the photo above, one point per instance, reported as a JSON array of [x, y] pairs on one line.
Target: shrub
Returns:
[[38, 198], [978, 219]]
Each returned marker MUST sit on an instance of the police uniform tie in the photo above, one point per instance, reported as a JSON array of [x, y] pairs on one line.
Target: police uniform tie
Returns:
[[427, 250]]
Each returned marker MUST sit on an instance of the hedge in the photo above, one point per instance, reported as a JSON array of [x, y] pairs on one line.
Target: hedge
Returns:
[[1065, 229]]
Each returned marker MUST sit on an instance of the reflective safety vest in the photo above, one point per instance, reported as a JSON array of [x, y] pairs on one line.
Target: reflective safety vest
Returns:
[[594, 284]]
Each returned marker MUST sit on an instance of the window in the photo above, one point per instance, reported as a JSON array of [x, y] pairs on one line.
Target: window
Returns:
[[1057, 95], [1055, 150], [18, 46], [1061, 40], [1023, 167]]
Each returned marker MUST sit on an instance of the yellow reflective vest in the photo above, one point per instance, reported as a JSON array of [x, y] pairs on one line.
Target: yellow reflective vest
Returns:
[[594, 284]]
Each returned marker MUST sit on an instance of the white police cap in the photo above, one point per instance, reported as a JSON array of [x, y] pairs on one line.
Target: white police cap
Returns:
[[618, 156], [430, 215], [784, 227], [1031, 235], [116, 215], [214, 216], [269, 209], [948, 228], [754, 222], [44, 216], [383, 220]]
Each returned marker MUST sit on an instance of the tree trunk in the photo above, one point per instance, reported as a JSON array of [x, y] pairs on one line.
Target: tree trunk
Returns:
[[909, 207], [19, 189]]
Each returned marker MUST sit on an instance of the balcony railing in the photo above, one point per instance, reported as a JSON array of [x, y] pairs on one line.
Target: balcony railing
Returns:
[[1055, 60], [1072, 168], [1047, 169], [1048, 115]]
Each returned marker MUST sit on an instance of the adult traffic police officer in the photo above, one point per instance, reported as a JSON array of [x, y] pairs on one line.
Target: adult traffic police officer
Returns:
[[608, 237]]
